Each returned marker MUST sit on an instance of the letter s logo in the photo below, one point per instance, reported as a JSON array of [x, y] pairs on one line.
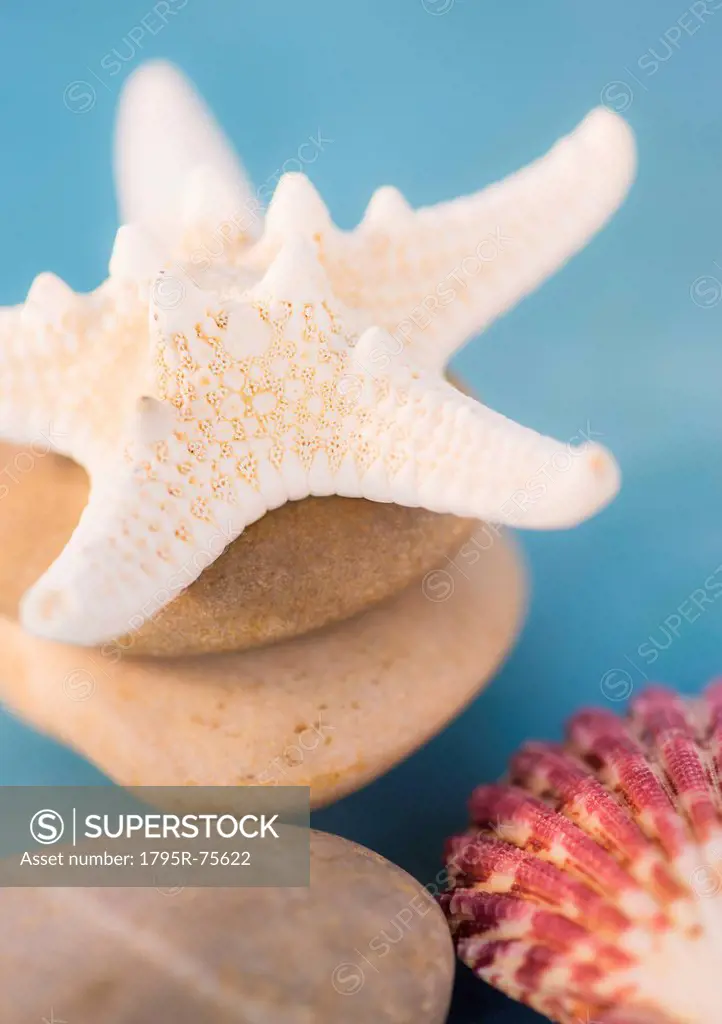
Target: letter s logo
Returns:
[[47, 827]]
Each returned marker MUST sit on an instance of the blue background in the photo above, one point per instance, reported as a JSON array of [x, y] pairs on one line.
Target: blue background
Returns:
[[439, 104]]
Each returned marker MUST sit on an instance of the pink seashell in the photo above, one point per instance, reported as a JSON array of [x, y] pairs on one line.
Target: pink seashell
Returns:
[[589, 883]]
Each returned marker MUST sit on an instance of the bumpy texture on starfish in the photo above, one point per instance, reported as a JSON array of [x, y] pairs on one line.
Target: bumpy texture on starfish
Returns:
[[229, 365]]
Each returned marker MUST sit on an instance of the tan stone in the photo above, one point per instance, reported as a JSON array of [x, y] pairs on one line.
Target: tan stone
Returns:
[[364, 943], [303, 566], [331, 710]]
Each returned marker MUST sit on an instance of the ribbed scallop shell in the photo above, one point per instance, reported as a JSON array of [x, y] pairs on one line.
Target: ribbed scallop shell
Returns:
[[589, 883]]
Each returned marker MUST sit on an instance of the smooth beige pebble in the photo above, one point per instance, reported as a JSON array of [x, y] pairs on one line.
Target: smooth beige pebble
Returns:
[[332, 710], [365, 944]]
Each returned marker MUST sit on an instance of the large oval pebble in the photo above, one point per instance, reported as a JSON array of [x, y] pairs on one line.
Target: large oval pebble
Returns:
[[332, 710], [365, 944]]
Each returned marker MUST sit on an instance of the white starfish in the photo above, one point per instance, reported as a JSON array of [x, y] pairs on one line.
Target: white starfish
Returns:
[[291, 362]]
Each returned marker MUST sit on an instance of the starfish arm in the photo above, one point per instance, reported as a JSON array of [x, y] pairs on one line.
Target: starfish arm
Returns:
[[37, 348], [21, 414], [71, 365], [439, 449], [173, 164], [143, 537], [436, 276]]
